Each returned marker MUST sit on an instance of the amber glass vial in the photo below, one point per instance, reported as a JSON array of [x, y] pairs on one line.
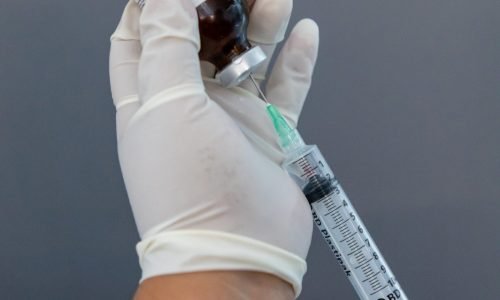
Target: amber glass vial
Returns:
[[223, 28]]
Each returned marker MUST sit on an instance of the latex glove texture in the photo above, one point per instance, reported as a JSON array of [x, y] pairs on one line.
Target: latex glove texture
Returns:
[[200, 162]]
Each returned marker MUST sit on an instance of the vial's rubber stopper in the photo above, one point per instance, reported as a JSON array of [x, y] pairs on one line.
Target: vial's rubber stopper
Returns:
[[241, 67]]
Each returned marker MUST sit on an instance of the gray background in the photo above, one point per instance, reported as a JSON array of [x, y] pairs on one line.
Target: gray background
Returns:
[[405, 105]]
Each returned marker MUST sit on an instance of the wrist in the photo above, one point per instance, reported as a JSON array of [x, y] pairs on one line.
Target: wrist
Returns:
[[216, 285], [163, 252]]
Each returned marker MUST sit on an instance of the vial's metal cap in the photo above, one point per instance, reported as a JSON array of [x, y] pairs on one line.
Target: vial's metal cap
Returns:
[[241, 67]]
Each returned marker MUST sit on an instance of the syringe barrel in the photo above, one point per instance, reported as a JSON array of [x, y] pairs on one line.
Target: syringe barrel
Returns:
[[341, 226]]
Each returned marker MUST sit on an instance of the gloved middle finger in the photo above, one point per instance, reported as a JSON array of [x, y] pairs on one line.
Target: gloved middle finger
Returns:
[[268, 23]]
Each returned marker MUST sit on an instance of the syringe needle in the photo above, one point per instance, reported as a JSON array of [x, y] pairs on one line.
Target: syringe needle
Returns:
[[261, 93]]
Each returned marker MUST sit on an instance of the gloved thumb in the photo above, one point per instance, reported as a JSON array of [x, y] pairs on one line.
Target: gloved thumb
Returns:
[[291, 77]]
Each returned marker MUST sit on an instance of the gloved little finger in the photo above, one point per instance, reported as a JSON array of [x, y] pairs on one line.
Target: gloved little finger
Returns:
[[291, 77]]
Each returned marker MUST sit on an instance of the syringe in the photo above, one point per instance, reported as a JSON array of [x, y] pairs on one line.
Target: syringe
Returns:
[[334, 215]]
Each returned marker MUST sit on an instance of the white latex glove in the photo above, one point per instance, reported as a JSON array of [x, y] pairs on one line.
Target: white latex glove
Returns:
[[201, 163]]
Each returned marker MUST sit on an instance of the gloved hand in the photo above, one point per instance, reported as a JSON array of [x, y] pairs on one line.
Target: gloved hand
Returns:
[[200, 162]]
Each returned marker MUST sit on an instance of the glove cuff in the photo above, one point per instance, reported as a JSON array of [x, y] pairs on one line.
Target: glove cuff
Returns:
[[183, 251]]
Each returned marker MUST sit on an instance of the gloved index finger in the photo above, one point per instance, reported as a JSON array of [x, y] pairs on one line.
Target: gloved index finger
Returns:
[[170, 45], [128, 28]]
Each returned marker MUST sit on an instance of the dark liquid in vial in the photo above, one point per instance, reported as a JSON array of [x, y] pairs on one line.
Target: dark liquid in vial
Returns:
[[223, 30]]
